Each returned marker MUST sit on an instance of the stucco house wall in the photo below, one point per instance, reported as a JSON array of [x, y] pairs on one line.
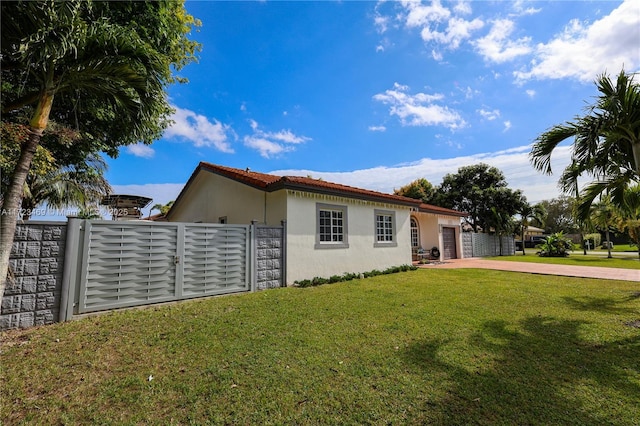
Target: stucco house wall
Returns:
[[217, 193], [211, 197], [305, 259]]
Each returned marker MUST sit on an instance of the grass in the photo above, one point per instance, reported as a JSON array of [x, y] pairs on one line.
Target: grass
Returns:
[[422, 347], [575, 258], [621, 248]]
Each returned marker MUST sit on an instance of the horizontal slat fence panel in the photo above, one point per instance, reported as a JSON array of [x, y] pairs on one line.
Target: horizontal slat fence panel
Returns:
[[215, 259], [137, 263], [127, 264]]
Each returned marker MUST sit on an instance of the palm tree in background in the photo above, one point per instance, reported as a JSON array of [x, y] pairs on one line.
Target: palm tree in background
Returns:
[[81, 185], [528, 214], [627, 219], [162, 208], [602, 218], [606, 143]]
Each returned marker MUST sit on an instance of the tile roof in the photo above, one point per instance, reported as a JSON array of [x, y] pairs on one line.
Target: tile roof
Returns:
[[269, 183], [273, 183]]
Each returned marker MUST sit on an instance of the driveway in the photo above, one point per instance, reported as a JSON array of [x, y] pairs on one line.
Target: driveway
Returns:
[[541, 268]]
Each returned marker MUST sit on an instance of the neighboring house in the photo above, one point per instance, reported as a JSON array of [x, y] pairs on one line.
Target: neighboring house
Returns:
[[331, 229], [532, 231]]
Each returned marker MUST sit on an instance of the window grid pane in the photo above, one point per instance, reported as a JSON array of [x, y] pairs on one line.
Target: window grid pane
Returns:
[[331, 226], [384, 228]]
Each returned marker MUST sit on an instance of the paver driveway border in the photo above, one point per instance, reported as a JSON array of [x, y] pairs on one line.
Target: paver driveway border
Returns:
[[541, 268]]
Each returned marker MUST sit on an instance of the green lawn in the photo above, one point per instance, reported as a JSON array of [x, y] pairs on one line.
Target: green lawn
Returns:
[[575, 258], [420, 347]]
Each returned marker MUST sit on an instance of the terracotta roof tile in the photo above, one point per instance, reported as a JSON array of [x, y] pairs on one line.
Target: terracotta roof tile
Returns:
[[428, 208], [260, 180], [270, 183]]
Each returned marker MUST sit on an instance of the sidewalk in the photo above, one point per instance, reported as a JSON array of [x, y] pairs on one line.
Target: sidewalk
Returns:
[[541, 268]]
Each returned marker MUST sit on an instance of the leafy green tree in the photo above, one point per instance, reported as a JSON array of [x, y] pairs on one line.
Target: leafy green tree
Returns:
[[98, 67], [419, 189], [560, 215], [476, 190], [606, 143], [529, 214]]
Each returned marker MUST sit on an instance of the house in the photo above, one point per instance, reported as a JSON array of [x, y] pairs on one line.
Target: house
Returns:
[[331, 229]]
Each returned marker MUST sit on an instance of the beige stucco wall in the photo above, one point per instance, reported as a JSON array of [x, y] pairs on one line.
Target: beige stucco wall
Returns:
[[305, 261], [430, 231], [210, 197]]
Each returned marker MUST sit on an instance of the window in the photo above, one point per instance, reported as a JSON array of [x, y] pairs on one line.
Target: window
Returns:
[[331, 228], [385, 228], [415, 239]]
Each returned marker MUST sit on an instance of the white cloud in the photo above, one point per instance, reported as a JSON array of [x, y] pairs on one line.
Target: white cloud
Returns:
[[507, 126], [377, 128], [199, 130], [497, 47], [584, 51], [520, 8], [439, 24], [514, 163], [530, 92], [419, 109], [270, 144], [141, 150], [489, 114], [463, 7], [419, 14]]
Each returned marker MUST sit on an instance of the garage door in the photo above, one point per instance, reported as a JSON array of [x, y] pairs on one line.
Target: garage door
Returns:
[[449, 242]]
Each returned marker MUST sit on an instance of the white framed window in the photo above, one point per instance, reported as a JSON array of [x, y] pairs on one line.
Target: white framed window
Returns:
[[331, 226], [385, 228]]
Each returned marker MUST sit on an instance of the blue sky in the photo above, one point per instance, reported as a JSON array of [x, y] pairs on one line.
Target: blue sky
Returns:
[[377, 94]]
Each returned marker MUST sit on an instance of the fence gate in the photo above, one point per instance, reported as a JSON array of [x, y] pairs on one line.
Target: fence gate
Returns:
[[121, 264]]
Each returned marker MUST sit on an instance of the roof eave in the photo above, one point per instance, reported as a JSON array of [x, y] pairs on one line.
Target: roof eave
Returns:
[[286, 184]]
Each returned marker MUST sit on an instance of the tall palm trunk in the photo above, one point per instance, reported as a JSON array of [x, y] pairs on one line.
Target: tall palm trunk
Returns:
[[13, 197]]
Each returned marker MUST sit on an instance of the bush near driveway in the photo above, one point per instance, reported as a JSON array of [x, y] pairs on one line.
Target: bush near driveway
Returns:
[[422, 347]]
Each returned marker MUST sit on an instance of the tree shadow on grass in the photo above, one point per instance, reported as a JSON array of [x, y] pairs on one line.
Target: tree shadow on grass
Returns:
[[603, 305], [530, 374]]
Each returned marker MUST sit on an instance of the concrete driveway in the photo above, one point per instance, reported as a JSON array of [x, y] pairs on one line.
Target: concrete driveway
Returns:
[[541, 268]]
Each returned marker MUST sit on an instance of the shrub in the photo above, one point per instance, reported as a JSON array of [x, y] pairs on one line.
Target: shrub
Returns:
[[555, 245], [351, 276]]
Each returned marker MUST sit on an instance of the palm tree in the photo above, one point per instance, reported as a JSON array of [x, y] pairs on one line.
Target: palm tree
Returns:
[[529, 213], [162, 208], [602, 215], [63, 49], [502, 223], [79, 185], [606, 142], [627, 218]]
